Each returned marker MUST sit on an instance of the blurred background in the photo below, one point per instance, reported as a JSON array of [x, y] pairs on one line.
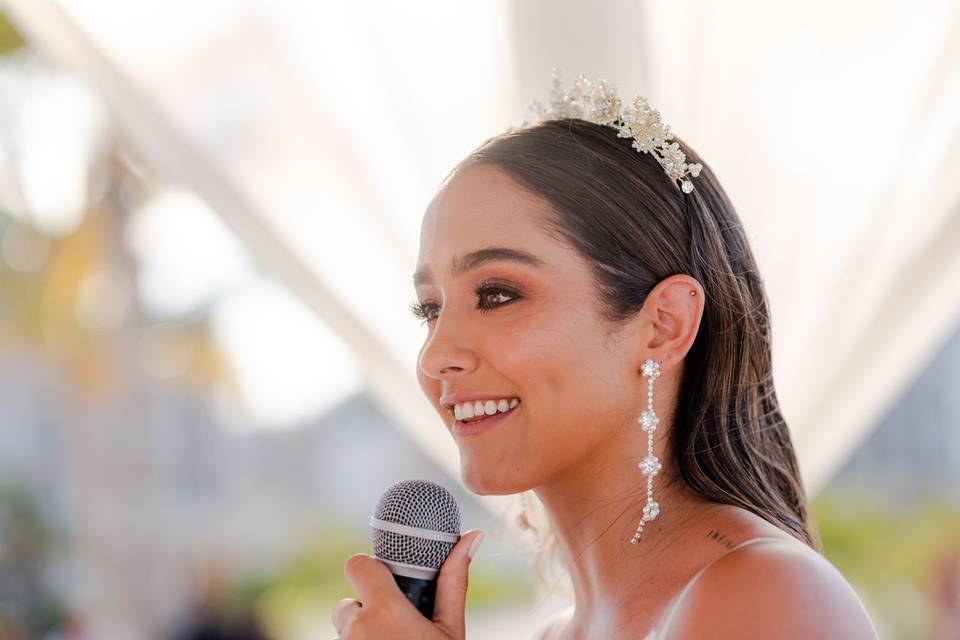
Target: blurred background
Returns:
[[209, 215]]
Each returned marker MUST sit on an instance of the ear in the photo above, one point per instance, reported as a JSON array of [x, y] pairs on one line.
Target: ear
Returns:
[[674, 309]]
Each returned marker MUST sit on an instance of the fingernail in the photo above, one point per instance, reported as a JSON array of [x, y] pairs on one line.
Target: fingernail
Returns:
[[475, 545]]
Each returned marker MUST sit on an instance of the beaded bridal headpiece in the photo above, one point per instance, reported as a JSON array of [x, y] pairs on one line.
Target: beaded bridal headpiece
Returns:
[[598, 102]]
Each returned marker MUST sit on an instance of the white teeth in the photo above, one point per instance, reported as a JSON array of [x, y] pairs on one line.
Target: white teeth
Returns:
[[481, 408]]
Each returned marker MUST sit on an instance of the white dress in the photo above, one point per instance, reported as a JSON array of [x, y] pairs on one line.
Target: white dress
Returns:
[[658, 632]]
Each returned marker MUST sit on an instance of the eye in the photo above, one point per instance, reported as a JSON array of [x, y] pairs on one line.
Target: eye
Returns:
[[422, 310], [488, 298], [486, 293]]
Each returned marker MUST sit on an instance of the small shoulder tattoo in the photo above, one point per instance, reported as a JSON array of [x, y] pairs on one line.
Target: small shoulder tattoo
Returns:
[[721, 538]]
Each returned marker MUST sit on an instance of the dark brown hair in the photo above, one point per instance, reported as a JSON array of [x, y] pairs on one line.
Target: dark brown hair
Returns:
[[635, 227]]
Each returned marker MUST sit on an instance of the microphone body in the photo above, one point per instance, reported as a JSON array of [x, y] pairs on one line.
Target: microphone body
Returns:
[[413, 529], [421, 593]]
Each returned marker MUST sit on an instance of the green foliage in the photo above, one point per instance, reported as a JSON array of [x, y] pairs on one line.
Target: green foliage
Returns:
[[10, 40], [27, 605], [888, 554]]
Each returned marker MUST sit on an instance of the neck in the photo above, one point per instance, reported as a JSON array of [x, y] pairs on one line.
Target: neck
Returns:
[[594, 525]]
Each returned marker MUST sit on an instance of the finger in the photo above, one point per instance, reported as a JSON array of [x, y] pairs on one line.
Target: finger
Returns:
[[343, 613], [451, 599], [372, 580]]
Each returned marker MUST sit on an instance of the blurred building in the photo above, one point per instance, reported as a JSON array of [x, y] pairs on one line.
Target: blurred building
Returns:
[[913, 454]]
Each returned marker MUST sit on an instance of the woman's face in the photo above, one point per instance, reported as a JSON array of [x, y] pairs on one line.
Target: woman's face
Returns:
[[538, 336]]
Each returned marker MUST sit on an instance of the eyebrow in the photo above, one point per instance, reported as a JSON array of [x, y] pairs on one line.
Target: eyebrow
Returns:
[[472, 260]]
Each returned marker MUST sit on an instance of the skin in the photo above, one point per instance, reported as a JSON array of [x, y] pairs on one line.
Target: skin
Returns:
[[574, 439]]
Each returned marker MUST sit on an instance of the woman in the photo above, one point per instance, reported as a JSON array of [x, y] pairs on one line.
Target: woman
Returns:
[[617, 326]]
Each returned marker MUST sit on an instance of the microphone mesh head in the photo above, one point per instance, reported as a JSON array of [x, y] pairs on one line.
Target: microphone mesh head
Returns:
[[421, 504]]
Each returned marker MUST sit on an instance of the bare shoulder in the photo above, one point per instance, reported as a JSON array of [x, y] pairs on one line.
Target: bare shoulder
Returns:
[[775, 589]]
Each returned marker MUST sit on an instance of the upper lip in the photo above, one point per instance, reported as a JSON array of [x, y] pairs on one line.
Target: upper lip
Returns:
[[449, 401]]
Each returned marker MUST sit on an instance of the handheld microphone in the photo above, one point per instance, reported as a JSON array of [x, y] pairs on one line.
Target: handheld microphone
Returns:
[[414, 527]]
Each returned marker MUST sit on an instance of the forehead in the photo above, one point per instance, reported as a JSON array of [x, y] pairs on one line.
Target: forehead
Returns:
[[478, 207]]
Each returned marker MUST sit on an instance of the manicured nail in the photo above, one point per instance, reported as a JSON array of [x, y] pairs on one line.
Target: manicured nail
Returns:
[[475, 545]]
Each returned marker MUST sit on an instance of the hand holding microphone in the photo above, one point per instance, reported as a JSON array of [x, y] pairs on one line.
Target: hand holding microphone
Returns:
[[416, 585]]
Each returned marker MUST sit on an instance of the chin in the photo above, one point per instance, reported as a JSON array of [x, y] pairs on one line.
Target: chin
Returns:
[[488, 480]]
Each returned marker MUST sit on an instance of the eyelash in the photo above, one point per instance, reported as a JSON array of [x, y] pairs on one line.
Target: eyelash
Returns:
[[421, 309]]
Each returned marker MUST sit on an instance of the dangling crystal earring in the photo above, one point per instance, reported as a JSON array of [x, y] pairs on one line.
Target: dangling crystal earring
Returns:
[[650, 465]]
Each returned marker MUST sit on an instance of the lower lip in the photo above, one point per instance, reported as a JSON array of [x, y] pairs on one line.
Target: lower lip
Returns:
[[461, 428]]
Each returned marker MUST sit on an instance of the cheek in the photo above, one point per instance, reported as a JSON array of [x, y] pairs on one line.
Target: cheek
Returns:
[[547, 367], [574, 386], [548, 352], [536, 359]]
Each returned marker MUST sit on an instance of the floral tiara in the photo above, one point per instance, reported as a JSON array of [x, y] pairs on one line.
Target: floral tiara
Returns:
[[598, 102]]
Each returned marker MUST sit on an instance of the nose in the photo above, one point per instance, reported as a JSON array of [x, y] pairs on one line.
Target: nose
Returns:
[[445, 352]]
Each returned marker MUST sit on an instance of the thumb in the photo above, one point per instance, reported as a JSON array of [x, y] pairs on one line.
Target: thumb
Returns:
[[451, 598]]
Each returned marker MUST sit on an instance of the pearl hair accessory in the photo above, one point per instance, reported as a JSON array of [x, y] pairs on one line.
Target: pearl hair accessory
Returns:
[[598, 102], [650, 465]]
